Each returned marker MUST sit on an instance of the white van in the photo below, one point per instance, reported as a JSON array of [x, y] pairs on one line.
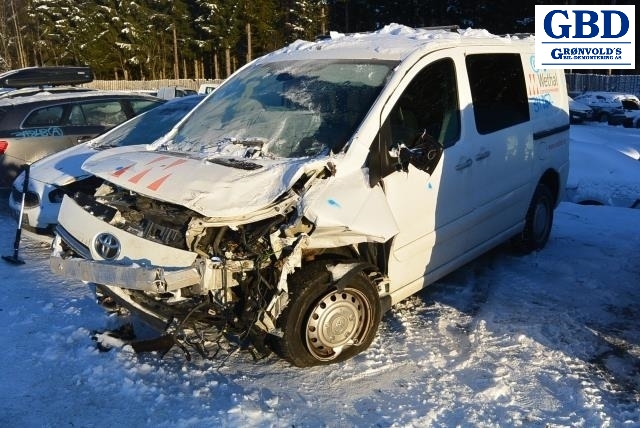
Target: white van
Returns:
[[323, 183]]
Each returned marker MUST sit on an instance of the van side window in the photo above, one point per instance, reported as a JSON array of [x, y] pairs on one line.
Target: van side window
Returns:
[[498, 91], [426, 114], [430, 103]]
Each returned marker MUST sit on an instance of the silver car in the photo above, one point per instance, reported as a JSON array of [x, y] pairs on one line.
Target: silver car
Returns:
[[34, 126], [61, 173]]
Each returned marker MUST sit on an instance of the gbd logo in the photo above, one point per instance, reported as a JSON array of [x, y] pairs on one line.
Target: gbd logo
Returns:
[[585, 36], [596, 24]]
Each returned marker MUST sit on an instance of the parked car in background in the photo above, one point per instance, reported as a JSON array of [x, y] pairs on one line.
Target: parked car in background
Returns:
[[60, 173], [42, 123], [616, 138], [207, 88], [602, 175], [608, 106], [632, 115], [170, 92], [579, 112]]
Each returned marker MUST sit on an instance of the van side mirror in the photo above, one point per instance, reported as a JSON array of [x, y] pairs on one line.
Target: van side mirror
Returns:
[[424, 154]]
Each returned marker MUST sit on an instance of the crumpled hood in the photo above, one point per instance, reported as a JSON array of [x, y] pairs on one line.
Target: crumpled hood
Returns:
[[210, 188]]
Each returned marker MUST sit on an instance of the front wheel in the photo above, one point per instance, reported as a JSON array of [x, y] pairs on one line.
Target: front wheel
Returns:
[[322, 324], [538, 221]]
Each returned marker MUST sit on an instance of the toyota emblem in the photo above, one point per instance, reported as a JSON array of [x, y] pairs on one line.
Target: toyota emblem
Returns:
[[107, 246]]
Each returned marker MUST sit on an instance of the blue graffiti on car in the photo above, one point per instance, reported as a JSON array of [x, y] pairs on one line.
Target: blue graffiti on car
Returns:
[[52, 131]]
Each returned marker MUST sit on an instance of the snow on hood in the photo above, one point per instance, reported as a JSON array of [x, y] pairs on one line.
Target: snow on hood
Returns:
[[209, 188]]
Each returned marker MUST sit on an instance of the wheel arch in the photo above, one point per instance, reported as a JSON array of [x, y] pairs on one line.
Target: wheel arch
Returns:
[[551, 179], [313, 288]]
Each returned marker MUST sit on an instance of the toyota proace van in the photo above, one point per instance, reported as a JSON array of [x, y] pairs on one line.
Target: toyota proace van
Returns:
[[320, 185]]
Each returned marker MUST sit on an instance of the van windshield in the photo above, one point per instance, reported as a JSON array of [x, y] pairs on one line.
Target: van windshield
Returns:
[[284, 109]]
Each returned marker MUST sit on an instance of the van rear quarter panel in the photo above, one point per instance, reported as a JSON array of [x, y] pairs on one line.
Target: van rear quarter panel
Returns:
[[549, 110]]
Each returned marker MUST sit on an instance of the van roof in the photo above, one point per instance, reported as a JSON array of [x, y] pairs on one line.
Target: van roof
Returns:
[[392, 42]]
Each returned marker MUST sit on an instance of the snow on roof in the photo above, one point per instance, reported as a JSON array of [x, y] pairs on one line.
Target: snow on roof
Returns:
[[46, 95], [393, 42]]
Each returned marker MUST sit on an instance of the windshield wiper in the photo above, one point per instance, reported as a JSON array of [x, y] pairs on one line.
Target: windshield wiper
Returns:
[[235, 163]]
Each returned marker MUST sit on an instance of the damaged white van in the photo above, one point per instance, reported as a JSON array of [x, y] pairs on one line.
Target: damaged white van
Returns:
[[320, 185]]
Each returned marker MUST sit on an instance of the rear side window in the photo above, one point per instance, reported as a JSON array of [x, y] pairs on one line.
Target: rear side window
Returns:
[[47, 116], [498, 91]]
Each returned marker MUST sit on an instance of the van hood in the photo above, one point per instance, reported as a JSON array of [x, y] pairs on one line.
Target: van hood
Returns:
[[219, 186]]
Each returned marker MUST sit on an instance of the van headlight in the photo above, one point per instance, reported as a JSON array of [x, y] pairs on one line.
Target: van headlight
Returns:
[[55, 196]]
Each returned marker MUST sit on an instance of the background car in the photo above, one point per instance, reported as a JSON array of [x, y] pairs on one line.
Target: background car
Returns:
[[632, 115], [170, 92], [34, 126], [61, 173], [579, 112], [206, 88], [608, 106], [602, 175], [616, 138]]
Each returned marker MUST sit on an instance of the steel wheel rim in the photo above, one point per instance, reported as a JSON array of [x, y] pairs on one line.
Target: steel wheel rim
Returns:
[[339, 320], [540, 221]]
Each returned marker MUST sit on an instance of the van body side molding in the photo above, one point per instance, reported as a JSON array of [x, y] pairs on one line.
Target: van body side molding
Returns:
[[548, 132]]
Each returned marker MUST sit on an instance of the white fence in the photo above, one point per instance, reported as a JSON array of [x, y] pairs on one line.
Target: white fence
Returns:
[[147, 85]]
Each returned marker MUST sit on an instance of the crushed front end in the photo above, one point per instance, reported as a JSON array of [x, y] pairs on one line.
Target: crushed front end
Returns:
[[187, 275]]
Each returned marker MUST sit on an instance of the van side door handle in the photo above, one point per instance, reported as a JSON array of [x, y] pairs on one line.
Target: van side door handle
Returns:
[[463, 164], [483, 154]]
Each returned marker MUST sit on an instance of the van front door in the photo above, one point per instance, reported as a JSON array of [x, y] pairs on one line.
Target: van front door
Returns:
[[425, 173]]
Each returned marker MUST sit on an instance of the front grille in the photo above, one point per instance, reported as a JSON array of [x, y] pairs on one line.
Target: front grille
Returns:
[[31, 199]]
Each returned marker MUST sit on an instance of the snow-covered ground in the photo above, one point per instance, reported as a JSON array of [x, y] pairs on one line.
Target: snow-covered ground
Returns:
[[549, 339]]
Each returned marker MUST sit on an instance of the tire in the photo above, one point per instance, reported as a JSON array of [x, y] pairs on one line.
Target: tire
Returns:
[[539, 220], [322, 325]]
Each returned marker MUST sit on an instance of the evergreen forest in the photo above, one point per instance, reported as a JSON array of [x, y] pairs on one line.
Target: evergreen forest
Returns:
[[206, 39]]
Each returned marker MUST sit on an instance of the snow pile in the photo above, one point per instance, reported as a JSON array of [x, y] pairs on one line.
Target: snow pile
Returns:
[[550, 339]]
